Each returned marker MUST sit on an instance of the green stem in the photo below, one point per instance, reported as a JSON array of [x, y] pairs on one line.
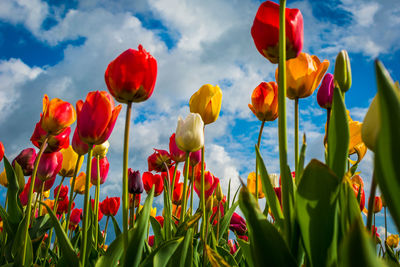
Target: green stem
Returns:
[[258, 145], [384, 209], [296, 133], [203, 197], [71, 198], [125, 195], [191, 193], [371, 202], [173, 179], [105, 231], [85, 223], [184, 200], [41, 200], [96, 203], [132, 211], [29, 204], [218, 220]]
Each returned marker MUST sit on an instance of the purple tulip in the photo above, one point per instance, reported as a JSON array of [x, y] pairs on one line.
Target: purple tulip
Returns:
[[26, 159], [104, 166], [325, 92], [135, 183], [238, 224]]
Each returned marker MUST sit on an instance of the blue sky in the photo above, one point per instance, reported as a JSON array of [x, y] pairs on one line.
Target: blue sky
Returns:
[[59, 49]]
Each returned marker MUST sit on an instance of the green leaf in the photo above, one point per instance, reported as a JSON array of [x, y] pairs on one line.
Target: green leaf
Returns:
[[349, 208], [267, 244], [226, 220], [18, 246], [162, 254], [117, 230], [189, 223], [316, 212], [387, 156], [338, 135], [14, 210], [269, 192], [135, 247], [245, 248], [227, 256], [4, 216], [300, 166], [158, 237], [64, 243], [20, 176], [186, 251]]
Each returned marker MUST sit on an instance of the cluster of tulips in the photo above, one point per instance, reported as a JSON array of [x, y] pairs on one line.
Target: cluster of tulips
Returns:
[[302, 223]]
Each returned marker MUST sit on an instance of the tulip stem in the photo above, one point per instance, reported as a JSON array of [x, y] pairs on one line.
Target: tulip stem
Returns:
[[192, 192], [41, 200], [203, 198], [384, 210], [85, 225], [71, 198], [29, 203], [173, 179], [125, 195], [96, 202], [105, 230], [258, 145], [296, 133], [218, 220], [371, 202], [184, 203]]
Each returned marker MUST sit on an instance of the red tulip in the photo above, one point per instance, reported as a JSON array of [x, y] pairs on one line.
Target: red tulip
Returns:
[[54, 143], [244, 237], [1, 151], [151, 240], [100, 216], [377, 204], [265, 31], [278, 193], [197, 170], [150, 179], [26, 159], [96, 117], [78, 146], [75, 219], [104, 167], [63, 206], [23, 196], [238, 224], [49, 165], [131, 77], [195, 157], [177, 155], [160, 219], [56, 116], [171, 175], [137, 200], [178, 194], [47, 184], [157, 159], [110, 206], [210, 183], [232, 246], [63, 192]]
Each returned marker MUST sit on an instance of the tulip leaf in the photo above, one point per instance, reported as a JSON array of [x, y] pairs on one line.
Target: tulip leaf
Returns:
[[65, 245], [269, 192], [226, 255], [188, 224], [7, 226], [13, 209], [387, 156], [266, 243], [136, 244], [245, 248], [162, 254], [158, 237], [214, 258], [316, 212], [349, 208], [117, 230], [226, 220], [20, 176], [18, 246], [300, 165], [338, 135]]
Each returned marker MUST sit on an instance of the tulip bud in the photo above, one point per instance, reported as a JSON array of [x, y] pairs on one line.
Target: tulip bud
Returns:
[[195, 157], [101, 150], [207, 102], [26, 159], [210, 183], [157, 159], [1, 151], [153, 211], [251, 185], [151, 241], [218, 193], [209, 204], [342, 74], [76, 216], [135, 184], [377, 204], [177, 155], [190, 133], [3, 179], [371, 124], [325, 92]]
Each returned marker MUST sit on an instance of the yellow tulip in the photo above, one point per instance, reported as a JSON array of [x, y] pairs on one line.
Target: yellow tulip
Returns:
[[393, 241], [101, 150], [46, 194], [3, 179], [251, 185], [207, 102], [80, 180], [48, 202], [304, 73], [69, 161], [153, 211], [356, 144]]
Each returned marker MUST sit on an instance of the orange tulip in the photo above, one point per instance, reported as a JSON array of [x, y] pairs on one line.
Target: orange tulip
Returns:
[[264, 101], [57, 115], [79, 186], [377, 204], [178, 194]]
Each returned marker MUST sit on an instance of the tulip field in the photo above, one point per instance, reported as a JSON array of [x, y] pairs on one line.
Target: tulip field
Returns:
[[313, 213]]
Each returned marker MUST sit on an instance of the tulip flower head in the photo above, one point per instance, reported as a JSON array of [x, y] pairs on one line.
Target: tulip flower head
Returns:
[[151, 241], [1, 151], [131, 77], [157, 159], [177, 155], [377, 204], [79, 186], [393, 241], [265, 31], [63, 206], [356, 144], [207, 102], [178, 194], [96, 117], [26, 159], [46, 184], [357, 185], [195, 157], [304, 73], [325, 92], [23, 196], [160, 220], [49, 165], [232, 246], [110, 206], [251, 185], [100, 212], [171, 175], [3, 179], [104, 167], [210, 183], [153, 211], [79, 147], [57, 115], [189, 134], [135, 183], [101, 149], [149, 180], [238, 224], [70, 158], [63, 192], [54, 142], [264, 101], [343, 71], [76, 217]]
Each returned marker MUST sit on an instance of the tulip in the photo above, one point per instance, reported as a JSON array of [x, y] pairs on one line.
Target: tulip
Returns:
[[160, 219], [371, 124], [251, 185], [377, 204], [243, 237], [176, 211], [3, 179], [153, 211], [110, 206], [100, 213], [157, 159], [104, 167], [57, 115], [23, 196], [131, 77], [265, 31], [393, 241], [26, 159], [325, 92], [218, 193], [210, 183], [264, 101], [151, 241], [101, 150], [189, 134], [195, 157], [149, 180], [238, 224], [76, 216], [304, 74], [137, 200], [49, 165], [63, 192], [46, 184], [206, 102], [278, 193], [357, 186], [135, 183], [232, 246], [1, 151], [54, 142], [69, 162], [79, 186], [177, 155], [63, 206], [79, 147], [178, 194], [356, 144], [343, 71], [171, 175], [49, 203], [96, 117]]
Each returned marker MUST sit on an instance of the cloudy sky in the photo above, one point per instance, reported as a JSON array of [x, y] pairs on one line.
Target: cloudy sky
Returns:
[[59, 49]]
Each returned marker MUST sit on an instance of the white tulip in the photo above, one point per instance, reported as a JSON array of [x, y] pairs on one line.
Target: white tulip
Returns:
[[189, 135]]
